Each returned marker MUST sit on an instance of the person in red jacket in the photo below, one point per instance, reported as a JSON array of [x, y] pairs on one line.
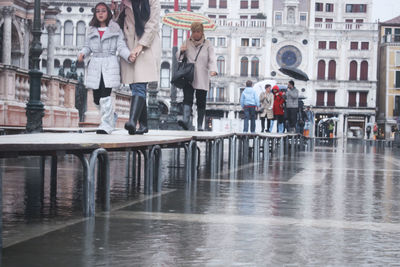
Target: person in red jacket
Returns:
[[278, 108]]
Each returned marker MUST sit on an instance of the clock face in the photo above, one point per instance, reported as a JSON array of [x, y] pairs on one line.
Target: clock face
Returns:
[[288, 56]]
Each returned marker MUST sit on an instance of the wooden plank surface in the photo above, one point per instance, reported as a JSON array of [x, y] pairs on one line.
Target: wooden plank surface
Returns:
[[82, 141], [199, 136]]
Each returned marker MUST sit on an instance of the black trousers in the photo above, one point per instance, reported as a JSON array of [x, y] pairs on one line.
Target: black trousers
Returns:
[[292, 116], [201, 97], [263, 123], [101, 92]]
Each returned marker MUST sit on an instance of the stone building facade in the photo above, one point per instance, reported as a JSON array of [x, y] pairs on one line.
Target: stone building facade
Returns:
[[389, 77], [333, 41]]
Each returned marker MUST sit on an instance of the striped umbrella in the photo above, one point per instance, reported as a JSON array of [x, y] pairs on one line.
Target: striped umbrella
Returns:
[[183, 20]]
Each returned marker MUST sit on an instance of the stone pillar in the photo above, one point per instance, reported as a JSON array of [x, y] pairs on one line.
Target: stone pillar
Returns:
[[26, 39], [7, 13], [51, 29], [153, 110]]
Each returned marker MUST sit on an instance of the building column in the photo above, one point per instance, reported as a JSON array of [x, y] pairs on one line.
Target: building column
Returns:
[[26, 37], [51, 29], [7, 13]]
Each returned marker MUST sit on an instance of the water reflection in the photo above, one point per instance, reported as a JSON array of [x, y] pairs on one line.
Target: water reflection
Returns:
[[337, 206]]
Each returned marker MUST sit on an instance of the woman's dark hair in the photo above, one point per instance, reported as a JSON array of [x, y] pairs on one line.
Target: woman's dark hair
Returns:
[[141, 12], [94, 22]]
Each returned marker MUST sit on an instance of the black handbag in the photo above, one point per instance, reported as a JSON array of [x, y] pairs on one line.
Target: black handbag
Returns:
[[184, 73]]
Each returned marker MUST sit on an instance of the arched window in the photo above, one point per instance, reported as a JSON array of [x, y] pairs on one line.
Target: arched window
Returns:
[[56, 63], [67, 63], [353, 71], [221, 65], [291, 16], [165, 73], [68, 33], [321, 70], [364, 71], [332, 70], [255, 70], [166, 37], [44, 66], [57, 34], [244, 66], [80, 33]]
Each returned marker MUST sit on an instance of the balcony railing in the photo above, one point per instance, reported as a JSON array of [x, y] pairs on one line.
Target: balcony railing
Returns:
[[343, 26], [246, 23], [57, 95], [391, 38], [216, 99]]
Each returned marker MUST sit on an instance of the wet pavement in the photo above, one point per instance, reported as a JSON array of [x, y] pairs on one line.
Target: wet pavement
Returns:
[[330, 207]]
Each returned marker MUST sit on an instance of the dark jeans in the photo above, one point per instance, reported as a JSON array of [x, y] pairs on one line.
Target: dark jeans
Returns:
[[201, 97], [249, 113], [138, 89], [263, 123], [101, 92], [292, 116]]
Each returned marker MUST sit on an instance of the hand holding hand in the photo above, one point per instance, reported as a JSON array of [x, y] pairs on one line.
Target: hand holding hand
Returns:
[[80, 57], [138, 49], [213, 73], [132, 57]]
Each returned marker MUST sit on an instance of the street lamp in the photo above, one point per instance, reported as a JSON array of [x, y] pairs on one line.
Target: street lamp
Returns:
[[35, 108], [173, 112]]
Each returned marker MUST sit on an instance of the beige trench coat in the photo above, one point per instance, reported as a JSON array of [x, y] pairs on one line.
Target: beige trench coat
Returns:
[[146, 68], [266, 103], [205, 63]]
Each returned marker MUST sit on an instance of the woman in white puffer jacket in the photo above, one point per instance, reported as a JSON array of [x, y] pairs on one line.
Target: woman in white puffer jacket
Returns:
[[104, 40]]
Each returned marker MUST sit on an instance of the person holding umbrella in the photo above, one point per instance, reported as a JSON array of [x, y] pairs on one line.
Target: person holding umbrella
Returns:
[[292, 105], [266, 102], [140, 22], [205, 65]]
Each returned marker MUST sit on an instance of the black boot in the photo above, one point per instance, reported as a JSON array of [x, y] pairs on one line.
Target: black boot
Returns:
[[137, 104], [143, 122], [187, 111], [200, 119]]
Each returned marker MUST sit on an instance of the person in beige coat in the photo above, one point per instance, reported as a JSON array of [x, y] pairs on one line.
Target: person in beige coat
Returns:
[[205, 66], [266, 104], [140, 22]]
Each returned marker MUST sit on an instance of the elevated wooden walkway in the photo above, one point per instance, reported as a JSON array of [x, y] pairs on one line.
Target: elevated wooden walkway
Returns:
[[92, 148]]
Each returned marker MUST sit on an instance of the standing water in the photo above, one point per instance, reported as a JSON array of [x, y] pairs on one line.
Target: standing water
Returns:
[[337, 206]]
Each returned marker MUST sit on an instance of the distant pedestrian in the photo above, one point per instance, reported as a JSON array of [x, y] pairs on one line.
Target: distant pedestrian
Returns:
[[292, 105], [368, 131], [278, 108], [103, 41], [249, 100], [266, 104], [309, 123]]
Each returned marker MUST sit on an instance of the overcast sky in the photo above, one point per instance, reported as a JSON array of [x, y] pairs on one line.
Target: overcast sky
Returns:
[[385, 9]]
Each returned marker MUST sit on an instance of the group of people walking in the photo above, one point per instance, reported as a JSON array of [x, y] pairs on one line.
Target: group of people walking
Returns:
[[131, 31], [272, 105]]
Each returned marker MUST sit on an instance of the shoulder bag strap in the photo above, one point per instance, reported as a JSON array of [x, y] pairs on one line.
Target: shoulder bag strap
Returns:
[[199, 51]]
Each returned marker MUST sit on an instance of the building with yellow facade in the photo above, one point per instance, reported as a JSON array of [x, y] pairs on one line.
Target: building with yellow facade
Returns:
[[389, 78]]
